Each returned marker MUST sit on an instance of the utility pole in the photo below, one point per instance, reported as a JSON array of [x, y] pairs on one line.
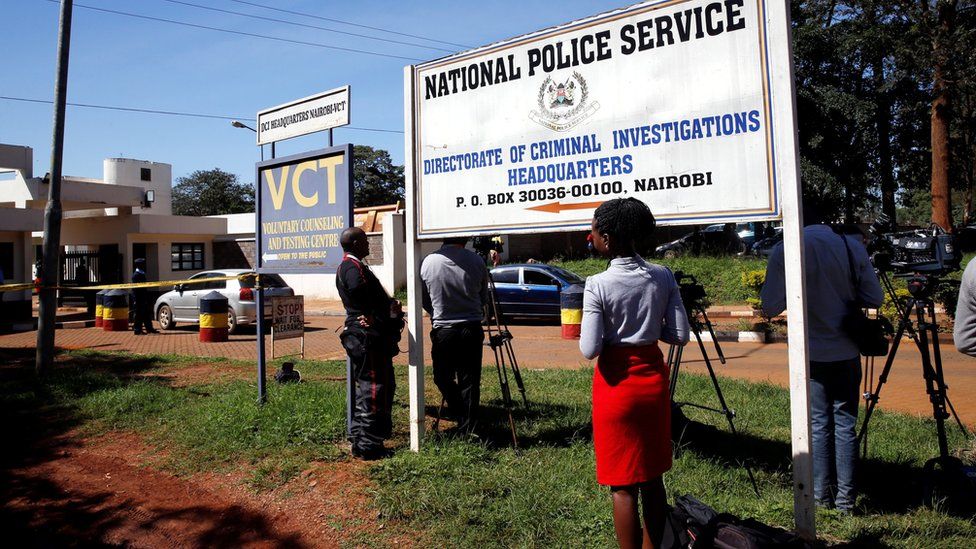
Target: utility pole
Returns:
[[50, 269]]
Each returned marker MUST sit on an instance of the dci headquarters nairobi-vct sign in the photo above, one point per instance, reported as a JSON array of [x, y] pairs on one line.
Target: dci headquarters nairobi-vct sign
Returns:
[[304, 203], [319, 112], [671, 102]]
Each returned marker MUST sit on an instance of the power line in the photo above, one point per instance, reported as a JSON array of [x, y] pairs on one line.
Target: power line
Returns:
[[240, 33], [312, 15], [171, 113], [272, 19]]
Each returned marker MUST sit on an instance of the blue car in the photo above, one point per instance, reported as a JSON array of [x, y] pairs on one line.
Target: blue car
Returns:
[[532, 289]]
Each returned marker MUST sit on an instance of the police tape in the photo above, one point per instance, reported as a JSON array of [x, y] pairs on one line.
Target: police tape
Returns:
[[129, 286]]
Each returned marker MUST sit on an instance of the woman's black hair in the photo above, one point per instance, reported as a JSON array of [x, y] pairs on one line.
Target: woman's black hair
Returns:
[[624, 218]]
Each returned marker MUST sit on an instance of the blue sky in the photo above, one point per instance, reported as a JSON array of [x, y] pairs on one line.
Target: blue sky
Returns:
[[123, 61]]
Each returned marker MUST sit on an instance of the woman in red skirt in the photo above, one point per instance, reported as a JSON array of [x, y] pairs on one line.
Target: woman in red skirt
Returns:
[[626, 310]]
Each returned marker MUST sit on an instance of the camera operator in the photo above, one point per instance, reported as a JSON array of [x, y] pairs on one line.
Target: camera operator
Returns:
[[455, 289], [964, 333], [370, 337], [835, 368]]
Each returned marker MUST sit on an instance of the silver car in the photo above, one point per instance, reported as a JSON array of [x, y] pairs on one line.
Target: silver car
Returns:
[[182, 303]]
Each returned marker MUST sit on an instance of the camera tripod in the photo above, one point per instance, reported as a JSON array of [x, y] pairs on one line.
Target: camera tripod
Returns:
[[693, 297], [926, 338], [500, 340]]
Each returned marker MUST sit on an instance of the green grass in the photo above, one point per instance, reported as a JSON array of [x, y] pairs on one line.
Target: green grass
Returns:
[[463, 493], [488, 495], [721, 276]]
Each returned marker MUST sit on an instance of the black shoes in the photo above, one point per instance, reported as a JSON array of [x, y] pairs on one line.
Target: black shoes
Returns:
[[371, 454]]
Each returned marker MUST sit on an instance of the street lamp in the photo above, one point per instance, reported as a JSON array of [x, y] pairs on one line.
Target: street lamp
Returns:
[[239, 124]]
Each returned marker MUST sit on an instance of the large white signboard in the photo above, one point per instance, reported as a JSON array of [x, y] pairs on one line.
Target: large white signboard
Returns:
[[316, 113], [669, 102]]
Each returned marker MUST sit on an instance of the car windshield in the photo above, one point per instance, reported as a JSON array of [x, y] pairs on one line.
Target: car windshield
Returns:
[[270, 281], [568, 276]]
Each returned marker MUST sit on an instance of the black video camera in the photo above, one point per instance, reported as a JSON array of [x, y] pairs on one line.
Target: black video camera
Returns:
[[692, 292], [929, 251]]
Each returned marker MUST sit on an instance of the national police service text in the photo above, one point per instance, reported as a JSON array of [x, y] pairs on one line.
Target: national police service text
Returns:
[[713, 19]]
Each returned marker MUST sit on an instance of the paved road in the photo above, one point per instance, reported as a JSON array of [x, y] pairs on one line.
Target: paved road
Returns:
[[542, 347]]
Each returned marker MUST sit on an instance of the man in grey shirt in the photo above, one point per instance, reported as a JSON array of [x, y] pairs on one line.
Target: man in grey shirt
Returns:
[[835, 366], [964, 332], [455, 289]]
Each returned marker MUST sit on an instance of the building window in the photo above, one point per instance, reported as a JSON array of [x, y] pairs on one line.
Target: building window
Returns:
[[145, 174], [187, 257]]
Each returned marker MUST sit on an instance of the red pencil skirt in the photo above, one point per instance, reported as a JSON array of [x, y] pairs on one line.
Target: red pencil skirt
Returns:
[[631, 415]]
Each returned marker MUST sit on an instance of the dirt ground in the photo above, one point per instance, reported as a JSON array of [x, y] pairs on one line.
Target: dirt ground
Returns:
[[63, 488]]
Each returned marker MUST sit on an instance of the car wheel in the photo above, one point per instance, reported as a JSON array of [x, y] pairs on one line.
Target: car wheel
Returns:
[[670, 254], [231, 321], [165, 318]]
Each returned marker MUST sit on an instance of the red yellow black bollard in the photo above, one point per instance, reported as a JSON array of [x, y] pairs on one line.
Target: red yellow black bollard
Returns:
[[100, 308], [115, 311], [571, 311], [213, 318]]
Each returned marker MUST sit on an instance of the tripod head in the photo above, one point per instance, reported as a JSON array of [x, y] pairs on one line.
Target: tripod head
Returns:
[[692, 292]]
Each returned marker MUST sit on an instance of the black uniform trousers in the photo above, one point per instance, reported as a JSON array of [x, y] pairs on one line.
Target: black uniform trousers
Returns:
[[374, 382], [456, 352], [141, 306]]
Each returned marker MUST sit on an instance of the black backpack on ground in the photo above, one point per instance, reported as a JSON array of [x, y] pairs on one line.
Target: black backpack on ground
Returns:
[[692, 524]]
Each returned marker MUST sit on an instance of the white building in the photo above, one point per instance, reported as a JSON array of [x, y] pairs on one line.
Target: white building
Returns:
[[127, 214]]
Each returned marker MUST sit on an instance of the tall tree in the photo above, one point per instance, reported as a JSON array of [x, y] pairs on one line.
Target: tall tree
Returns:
[[945, 13], [377, 180], [211, 192]]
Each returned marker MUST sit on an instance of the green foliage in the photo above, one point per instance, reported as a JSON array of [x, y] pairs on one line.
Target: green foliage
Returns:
[[211, 192], [377, 180], [888, 308], [721, 276], [753, 281]]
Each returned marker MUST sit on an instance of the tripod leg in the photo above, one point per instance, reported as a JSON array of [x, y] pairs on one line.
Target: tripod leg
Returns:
[[440, 411], [516, 372], [872, 400], [942, 388], [933, 383], [675, 370], [711, 331], [729, 414]]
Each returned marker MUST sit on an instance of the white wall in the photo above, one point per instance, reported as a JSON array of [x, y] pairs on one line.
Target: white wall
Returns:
[[126, 171]]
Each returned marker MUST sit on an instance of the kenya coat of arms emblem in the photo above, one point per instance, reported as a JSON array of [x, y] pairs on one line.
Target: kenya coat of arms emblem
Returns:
[[563, 105]]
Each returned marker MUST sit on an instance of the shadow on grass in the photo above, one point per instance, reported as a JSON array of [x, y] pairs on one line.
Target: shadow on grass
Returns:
[[888, 487], [40, 509], [533, 424]]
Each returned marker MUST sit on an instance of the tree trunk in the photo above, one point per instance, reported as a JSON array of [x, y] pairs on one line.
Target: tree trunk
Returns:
[[883, 122], [941, 200]]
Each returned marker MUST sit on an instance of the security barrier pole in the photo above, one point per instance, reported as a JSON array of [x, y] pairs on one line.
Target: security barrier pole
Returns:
[[213, 317], [48, 308], [115, 311]]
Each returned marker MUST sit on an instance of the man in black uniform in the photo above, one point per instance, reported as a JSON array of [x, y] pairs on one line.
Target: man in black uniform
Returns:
[[371, 336], [140, 301]]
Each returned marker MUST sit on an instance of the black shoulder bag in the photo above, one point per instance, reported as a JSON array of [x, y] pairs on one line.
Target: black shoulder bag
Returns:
[[867, 333]]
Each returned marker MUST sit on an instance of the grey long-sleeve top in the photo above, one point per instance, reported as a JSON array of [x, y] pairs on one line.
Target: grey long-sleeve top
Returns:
[[630, 304], [964, 332]]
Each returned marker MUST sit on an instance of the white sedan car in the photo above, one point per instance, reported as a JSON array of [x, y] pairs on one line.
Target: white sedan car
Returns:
[[182, 303]]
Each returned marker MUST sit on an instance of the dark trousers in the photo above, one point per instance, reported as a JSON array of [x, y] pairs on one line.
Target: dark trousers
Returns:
[[143, 315], [834, 388], [456, 353], [372, 421]]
